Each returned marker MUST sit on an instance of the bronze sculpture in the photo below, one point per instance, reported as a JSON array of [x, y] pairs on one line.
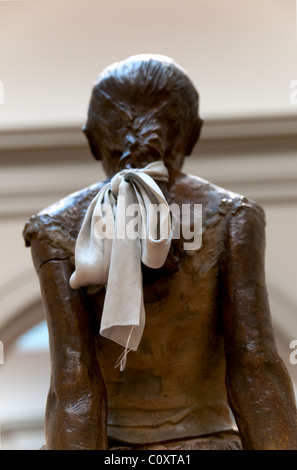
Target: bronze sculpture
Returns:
[[207, 346]]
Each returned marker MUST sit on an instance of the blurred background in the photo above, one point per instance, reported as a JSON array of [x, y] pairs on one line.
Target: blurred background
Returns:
[[242, 58]]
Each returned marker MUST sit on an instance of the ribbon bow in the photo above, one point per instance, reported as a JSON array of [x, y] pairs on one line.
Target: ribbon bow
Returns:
[[109, 252]]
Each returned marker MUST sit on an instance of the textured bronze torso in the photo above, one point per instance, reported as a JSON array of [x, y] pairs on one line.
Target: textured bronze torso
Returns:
[[173, 386]]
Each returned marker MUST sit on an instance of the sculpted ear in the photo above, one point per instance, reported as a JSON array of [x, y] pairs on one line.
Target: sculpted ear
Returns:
[[195, 134], [92, 142]]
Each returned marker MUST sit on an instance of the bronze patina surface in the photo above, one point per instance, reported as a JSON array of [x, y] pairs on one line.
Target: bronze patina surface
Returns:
[[207, 351]]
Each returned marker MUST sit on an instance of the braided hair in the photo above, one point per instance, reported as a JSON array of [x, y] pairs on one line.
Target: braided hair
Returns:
[[152, 99]]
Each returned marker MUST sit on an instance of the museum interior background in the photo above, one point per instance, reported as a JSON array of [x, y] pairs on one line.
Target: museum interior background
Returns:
[[242, 58]]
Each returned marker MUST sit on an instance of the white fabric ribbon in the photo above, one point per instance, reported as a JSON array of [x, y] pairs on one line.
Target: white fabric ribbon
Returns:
[[106, 253]]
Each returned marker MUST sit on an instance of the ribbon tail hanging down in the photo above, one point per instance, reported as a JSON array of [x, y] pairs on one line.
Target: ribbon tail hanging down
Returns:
[[116, 263], [123, 299]]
